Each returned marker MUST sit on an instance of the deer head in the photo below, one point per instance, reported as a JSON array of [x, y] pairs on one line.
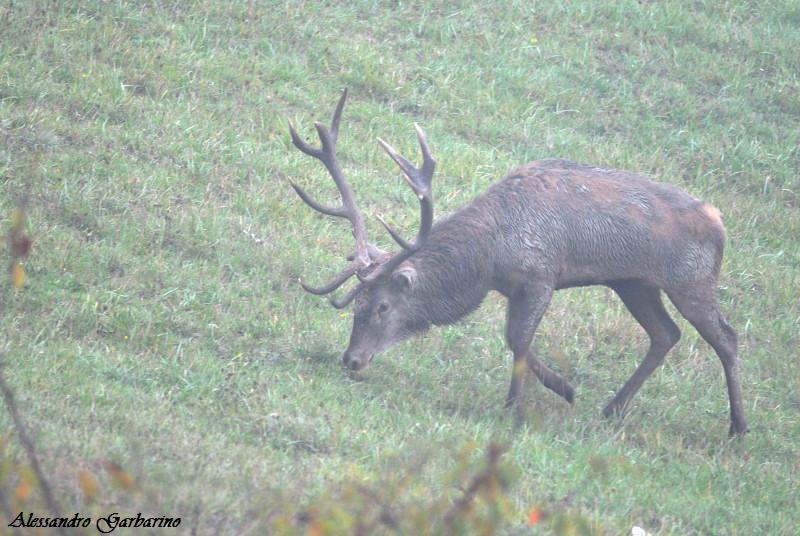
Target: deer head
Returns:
[[382, 315]]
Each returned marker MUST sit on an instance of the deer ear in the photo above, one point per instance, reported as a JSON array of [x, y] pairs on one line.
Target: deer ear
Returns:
[[404, 276]]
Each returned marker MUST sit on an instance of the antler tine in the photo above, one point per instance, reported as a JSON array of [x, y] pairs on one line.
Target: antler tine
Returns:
[[428, 162], [409, 171], [405, 244], [337, 282], [345, 300], [418, 178], [326, 154], [302, 144], [420, 181], [330, 211], [337, 115], [332, 134]]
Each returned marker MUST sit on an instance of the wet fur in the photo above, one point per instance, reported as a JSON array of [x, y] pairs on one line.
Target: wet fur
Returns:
[[554, 224], [571, 224]]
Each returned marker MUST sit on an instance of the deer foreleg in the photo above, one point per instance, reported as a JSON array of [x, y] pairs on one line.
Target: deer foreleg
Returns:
[[525, 310]]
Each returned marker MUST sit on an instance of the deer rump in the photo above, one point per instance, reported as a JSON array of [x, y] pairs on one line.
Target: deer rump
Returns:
[[548, 225]]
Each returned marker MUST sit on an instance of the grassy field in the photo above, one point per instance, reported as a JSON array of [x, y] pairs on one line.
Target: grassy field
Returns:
[[162, 326]]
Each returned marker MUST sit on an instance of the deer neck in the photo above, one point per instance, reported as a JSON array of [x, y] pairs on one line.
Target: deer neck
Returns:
[[453, 278]]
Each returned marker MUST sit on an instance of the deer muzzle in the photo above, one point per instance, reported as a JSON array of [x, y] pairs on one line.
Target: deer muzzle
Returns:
[[356, 362]]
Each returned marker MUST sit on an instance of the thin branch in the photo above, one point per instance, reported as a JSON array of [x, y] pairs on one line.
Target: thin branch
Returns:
[[7, 509], [27, 444]]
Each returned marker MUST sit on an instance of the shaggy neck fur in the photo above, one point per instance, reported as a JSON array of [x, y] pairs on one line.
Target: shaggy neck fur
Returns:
[[454, 271]]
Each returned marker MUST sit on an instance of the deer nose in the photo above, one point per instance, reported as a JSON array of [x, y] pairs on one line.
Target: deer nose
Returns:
[[352, 362]]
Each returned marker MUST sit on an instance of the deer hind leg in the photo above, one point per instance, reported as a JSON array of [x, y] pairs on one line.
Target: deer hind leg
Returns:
[[525, 310], [644, 303], [700, 306]]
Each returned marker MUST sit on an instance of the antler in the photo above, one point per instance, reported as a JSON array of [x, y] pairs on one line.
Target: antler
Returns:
[[420, 181], [327, 155], [366, 254]]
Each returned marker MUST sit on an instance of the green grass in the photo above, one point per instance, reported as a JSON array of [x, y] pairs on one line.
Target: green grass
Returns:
[[163, 327]]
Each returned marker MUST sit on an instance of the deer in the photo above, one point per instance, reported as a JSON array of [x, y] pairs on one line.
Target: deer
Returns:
[[548, 225]]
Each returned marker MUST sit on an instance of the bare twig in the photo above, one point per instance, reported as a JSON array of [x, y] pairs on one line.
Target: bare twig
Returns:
[[30, 450], [7, 510]]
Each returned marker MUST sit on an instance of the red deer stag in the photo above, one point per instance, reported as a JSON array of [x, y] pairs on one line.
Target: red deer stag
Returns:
[[548, 225]]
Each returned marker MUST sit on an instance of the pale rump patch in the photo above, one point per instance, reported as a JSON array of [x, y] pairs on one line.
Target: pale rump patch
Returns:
[[713, 213]]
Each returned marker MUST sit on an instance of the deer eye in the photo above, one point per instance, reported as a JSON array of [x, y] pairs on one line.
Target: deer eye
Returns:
[[382, 308]]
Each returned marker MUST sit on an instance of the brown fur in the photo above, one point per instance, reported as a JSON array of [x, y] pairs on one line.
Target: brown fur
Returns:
[[555, 224]]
